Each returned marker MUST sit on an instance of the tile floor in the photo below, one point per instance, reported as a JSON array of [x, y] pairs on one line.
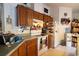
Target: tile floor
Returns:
[[60, 51]]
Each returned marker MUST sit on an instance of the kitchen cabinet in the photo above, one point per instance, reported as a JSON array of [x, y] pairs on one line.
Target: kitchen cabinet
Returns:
[[24, 16], [15, 53], [31, 47], [21, 15], [47, 18], [50, 41], [27, 48], [37, 15], [40, 16], [22, 50], [29, 15]]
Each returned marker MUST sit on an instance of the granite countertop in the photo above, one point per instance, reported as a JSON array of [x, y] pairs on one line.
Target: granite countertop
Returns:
[[6, 51]]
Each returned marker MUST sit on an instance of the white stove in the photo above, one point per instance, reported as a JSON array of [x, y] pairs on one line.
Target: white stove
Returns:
[[42, 44]]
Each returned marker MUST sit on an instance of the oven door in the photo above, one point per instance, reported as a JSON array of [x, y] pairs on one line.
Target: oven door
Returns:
[[42, 44]]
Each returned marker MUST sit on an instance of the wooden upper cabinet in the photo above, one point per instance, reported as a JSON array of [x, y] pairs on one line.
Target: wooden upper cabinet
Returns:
[[47, 18], [22, 50], [29, 16], [37, 15], [40, 16], [21, 15], [25, 15]]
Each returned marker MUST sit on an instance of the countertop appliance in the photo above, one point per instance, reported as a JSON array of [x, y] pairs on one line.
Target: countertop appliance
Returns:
[[4, 38], [2, 41]]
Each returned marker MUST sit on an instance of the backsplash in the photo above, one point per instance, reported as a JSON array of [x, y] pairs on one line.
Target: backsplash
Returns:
[[21, 30]]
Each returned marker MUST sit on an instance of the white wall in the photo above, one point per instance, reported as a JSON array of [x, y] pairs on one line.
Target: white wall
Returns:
[[75, 15], [10, 9], [63, 10], [39, 7], [54, 12]]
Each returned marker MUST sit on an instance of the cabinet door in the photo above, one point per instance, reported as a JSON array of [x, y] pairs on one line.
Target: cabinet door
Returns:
[[45, 18], [35, 15], [50, 41], [40, 16], [22, 50], [29, 16], [15, 53], [21, 15], [31, 48]]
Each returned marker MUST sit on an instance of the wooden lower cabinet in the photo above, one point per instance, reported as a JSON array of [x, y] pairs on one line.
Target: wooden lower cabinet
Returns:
[[22, 50], [28, 48], [31, 48], [50, 41], [15, 53]]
